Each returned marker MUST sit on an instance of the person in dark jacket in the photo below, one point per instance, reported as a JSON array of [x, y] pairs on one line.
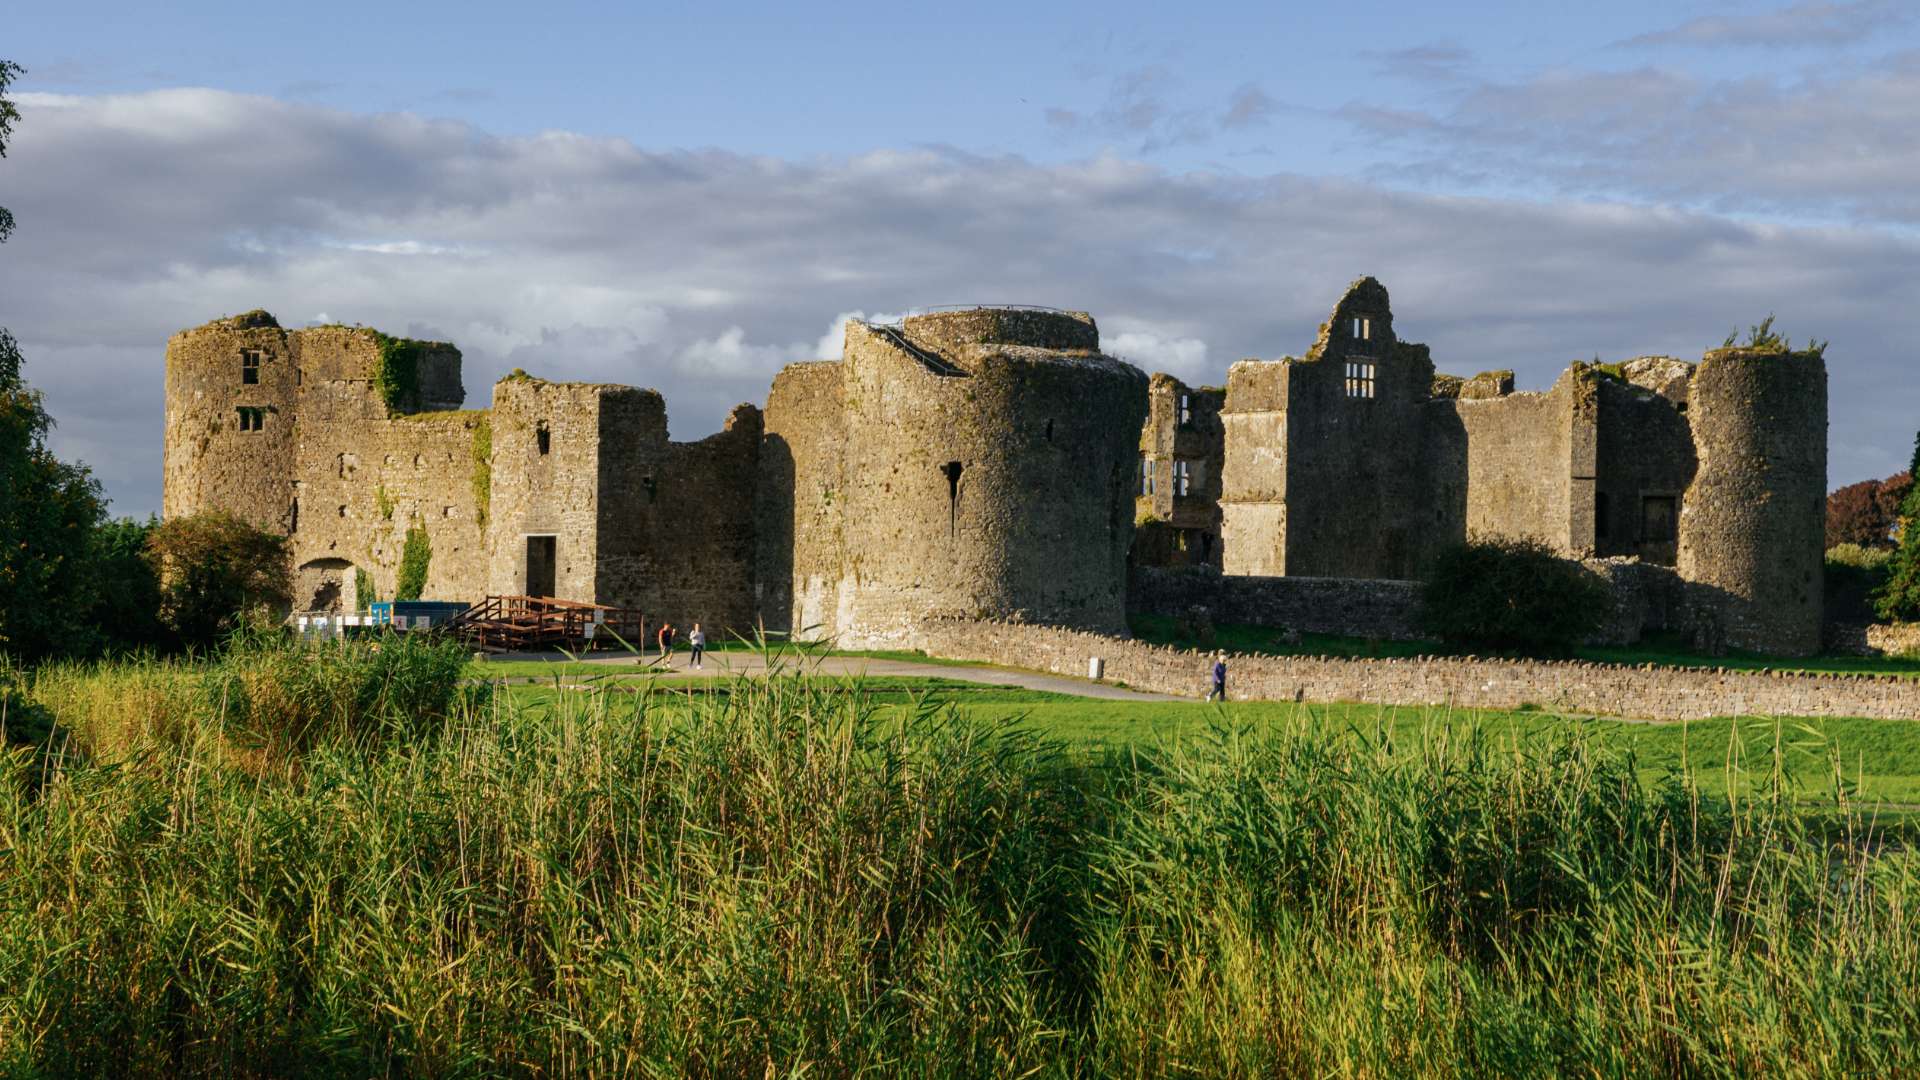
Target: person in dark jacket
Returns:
[[1219, 678]]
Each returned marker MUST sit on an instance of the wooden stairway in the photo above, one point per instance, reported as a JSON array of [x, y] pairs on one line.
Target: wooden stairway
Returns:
[[541, 623]]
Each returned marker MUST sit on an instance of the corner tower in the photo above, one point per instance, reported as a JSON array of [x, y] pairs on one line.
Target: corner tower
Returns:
[[1751, 524], [986, 469], [231, 388]]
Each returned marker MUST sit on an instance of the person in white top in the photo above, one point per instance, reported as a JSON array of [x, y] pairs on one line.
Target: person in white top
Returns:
[[698, 640]]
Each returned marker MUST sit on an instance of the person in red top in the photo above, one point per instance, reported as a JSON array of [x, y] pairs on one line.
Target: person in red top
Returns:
[[666, 640]]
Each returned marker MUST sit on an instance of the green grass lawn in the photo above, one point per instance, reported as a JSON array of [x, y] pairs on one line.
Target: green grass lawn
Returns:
[[1661, 650], [1878, 760]]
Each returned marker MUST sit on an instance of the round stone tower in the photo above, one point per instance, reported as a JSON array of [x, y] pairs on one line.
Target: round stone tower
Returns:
[[231, 390], [989, 462], [1752, 522]]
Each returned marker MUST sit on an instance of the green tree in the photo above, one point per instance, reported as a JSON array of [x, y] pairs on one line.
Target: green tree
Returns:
[[216, 573], [126, 591], [48, 509], [1899, 598]]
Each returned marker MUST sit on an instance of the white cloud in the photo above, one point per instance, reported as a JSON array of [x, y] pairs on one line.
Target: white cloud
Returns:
[[1809, 23], [699, 274]]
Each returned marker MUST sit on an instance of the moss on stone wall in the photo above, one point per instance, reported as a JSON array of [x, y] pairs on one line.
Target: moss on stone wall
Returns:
[[482, 475], [383, 503], [414, 560]]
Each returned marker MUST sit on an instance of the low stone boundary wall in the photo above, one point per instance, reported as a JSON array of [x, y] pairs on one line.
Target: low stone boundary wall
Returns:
[[1347, 607], [1598, 689]]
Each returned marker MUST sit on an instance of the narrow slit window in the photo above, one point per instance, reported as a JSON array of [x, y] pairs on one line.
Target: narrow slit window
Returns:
[[1186, 409], [1600, 515], [1146, 475], [951, 470], [1359, 379], [543, 437], [250, 366], [1362, 328], [1182, 478]]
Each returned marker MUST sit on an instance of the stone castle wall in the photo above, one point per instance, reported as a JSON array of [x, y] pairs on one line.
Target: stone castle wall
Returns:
[[996, 479], [1569, 687], [208, 461], [799, 501], [988, 463], [1183, 432], [677, 536], [1372, 608], [1752, 534]]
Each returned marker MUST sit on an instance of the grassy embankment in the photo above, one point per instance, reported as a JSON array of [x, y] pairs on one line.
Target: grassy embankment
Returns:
[[346, 862]]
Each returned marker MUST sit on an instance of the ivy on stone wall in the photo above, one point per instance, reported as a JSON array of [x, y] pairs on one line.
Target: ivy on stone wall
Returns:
[[363, 591], [383, 502], [396, 377], [482, 468], [414, 559]]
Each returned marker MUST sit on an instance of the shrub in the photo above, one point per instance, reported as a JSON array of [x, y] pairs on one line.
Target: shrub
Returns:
[[1512, 595], [215, 572]]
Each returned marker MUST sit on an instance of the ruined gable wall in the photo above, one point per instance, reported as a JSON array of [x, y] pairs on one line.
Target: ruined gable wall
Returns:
[[556, 493], [1752, 522], [1036, 522], [1353, 490], [798, 501], [207, 462], [1645, 451], [676, 522]]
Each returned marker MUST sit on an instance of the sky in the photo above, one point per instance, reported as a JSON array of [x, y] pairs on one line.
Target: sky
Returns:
[[688, 197]]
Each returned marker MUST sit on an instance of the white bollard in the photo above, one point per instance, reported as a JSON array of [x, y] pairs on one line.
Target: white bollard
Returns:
[[1096, 667]]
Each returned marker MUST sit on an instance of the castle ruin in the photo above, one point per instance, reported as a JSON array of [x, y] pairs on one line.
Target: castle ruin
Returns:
[[993, 463]]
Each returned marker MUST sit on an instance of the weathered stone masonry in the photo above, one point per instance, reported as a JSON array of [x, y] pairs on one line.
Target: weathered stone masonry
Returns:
[[1359, 461], [974, 462], [1572, 687], [994, 463]]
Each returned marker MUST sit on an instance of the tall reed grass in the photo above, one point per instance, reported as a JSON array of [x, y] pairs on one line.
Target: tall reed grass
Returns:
[[289, 862]]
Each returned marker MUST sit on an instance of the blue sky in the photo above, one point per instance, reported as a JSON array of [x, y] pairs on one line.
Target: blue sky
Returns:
[[687, 197]]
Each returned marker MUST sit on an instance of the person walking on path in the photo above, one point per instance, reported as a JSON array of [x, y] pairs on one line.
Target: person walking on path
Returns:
[[697, 640], [1219, 678], [666, 641]]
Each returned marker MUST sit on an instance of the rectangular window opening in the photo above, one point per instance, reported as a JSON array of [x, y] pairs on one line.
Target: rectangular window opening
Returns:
[[1362, 328], [1182, 478], [1359, 379], [1146, 475], [250, 366], [252, 418], [1186, 409], [1659, 518], [543, 437]]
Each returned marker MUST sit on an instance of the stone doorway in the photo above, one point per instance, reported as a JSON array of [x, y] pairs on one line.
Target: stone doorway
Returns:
[[542, 555]]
